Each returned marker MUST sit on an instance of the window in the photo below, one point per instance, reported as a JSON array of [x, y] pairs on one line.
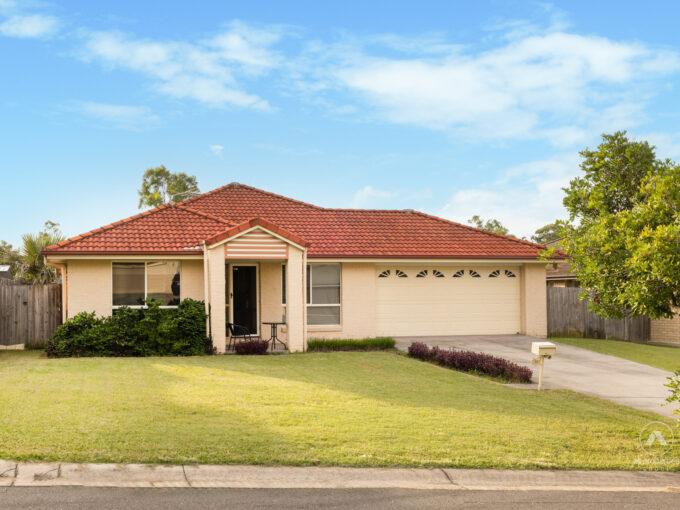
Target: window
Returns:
[[509, 274], [133, 282], [384, 274], [495, 274], [474, 273], [323, 294], [422, 274], [128, 284], [400, 273], [437, 274], [459, 273]]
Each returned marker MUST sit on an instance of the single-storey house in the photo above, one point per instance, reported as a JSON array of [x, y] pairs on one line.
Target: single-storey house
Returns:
[[254, 257]]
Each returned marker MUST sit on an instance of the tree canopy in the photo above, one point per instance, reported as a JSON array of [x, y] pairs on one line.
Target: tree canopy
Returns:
[[160, 186], [625, 216], [33, 268], [10, 256], [491, 225], [548, 233]]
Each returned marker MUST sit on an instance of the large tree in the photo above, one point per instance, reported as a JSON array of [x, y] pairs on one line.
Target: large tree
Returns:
[[548, 233], [160, 186], [10, 256], [491, 225], [33, 268], [625, 215]]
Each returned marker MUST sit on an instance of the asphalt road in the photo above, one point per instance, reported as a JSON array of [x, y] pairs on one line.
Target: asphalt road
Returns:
[[55, 498]]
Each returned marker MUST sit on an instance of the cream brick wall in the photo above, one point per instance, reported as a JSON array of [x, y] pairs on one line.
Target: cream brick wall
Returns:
[[89, 287], [358, 304], [191, 284], [296, 310], [666, 330], [216, 293], [533, 294]]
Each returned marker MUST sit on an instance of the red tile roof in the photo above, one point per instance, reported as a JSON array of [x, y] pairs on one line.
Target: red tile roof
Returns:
[[182, 228]]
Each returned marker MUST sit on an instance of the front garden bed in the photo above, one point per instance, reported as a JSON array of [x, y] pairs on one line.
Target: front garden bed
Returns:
[[470, 361], [365, 344], [150, 331]]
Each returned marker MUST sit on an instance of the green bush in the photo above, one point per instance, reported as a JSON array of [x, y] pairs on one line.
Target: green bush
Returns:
[[152, 331], [366, 344]]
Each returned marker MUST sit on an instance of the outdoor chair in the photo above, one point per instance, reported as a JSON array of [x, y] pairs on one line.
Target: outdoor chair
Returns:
[[239, 333]]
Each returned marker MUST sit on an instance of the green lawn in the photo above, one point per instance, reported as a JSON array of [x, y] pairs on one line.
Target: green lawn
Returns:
[[343, 408], [659, 356]]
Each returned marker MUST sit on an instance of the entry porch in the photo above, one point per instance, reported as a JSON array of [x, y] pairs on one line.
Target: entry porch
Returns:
[[247, 285]]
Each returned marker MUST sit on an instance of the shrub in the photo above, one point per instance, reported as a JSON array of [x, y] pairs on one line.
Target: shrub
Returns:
[[470, 361], [251, 347], [152, 331], [366, 344], [419, 350]]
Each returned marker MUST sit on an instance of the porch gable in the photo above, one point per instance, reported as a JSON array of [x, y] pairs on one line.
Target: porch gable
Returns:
[[256, 244]]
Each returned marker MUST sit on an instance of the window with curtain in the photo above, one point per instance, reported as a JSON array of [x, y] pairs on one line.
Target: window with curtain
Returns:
[[322, 294], [133, 282]]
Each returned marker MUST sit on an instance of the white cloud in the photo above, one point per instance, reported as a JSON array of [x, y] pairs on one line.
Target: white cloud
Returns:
[[524, 198], [122, 116], [205, 71], [29, 25], [217, 149], [248, 46], [367, 197], [557, 86]]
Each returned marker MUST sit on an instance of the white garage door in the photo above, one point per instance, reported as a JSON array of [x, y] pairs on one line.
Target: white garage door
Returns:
[[444, 300]]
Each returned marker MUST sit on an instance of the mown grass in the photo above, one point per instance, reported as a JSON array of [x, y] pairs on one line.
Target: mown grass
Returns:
[[365, 344], [341, 408], [659, 356]]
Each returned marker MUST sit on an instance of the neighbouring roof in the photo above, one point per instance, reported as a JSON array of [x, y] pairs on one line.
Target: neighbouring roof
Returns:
[[558, 270], [182, 228], [4, 268]]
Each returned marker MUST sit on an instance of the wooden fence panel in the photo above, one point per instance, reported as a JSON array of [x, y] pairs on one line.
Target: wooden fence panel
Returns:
[[29, 314], [569, 316]]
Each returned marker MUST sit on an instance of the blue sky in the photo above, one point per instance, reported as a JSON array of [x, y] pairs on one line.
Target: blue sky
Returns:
[[454, 108]]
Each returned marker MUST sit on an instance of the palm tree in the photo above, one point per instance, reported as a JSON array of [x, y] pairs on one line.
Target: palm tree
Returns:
[[33, 268]]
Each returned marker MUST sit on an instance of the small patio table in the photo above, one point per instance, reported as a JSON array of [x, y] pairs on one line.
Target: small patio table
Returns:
[[274, 337]]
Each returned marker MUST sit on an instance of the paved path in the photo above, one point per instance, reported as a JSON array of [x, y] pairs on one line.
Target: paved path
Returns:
[[574, 368], [26, 474], [50, 498]]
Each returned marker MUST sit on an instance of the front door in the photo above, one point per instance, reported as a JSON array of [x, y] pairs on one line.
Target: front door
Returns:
[[244, 296]]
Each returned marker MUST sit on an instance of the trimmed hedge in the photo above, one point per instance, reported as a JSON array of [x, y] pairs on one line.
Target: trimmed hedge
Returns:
[[151, 331], [470, 361], [366, 344], [251, 347]]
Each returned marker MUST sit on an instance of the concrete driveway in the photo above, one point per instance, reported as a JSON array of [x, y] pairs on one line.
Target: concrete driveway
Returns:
[[615, 379]]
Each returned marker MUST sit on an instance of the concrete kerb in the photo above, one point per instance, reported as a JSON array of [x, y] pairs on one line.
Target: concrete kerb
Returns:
[[26, 474]]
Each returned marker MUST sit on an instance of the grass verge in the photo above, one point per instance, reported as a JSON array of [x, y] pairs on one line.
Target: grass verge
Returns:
[[659, 356]]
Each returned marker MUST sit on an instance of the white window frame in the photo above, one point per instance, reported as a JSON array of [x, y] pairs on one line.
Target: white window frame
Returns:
[[308, 295], [310, 285], [146, 291]]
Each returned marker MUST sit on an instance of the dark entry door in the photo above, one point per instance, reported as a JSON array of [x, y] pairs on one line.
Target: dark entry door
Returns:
[[244, 299]]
